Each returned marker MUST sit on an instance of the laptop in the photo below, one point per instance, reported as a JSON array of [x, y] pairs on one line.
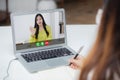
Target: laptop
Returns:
[[40, 43]]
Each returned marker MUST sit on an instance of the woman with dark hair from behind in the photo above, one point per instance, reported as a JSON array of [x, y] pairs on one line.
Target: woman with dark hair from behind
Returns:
[[103, 61], [41, 30]]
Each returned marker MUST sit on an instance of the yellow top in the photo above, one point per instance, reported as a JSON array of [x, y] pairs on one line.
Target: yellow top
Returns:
[[42, 35]]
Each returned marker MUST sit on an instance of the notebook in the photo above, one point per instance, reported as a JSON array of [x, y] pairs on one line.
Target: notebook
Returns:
[[40, 40]]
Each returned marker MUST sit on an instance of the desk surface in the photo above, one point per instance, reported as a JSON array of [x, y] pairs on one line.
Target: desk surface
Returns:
[[77, 35]]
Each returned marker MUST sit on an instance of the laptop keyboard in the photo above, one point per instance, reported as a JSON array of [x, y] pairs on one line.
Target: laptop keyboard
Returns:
[[42, 55]]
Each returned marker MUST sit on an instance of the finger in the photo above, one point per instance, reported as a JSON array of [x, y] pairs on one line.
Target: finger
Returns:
[[74, 61], [74, 67]]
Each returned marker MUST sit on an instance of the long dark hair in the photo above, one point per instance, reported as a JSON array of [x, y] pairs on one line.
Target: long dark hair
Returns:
[[104, 58], [36, 26]]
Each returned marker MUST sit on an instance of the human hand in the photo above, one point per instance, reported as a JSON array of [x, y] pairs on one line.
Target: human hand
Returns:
[[32, 30], [77, 63]]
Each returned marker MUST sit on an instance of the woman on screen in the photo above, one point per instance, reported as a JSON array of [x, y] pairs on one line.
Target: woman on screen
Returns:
[[41, 30]]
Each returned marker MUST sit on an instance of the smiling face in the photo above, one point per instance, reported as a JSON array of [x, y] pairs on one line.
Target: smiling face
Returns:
[[39, 20]]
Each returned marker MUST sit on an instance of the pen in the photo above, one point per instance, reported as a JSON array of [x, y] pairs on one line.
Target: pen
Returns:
[[76, 56], [77, 53]]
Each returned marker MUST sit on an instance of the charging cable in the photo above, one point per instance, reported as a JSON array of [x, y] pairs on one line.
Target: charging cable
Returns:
[[4, 78]]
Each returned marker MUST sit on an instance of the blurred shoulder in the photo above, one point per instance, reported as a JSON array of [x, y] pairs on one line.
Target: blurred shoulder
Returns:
[[48, 27]]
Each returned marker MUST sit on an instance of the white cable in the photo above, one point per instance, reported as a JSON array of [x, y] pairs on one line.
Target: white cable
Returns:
[[8, 68]]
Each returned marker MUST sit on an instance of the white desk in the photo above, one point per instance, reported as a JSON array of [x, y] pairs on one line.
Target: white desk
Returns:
[[77, 35]]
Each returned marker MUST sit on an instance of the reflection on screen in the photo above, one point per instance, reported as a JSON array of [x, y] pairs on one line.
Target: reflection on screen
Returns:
[[38, 29]]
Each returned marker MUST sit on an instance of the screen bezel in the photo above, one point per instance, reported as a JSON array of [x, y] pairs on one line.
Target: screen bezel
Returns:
[[42, 11]]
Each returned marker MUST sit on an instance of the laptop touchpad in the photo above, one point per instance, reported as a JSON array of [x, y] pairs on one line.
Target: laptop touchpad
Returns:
[[56, 62]]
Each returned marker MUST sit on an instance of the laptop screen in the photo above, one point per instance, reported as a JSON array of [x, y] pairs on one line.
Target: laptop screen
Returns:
[[38, 29]]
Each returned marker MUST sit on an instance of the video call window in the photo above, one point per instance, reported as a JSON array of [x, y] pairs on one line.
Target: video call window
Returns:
[[38, 30]]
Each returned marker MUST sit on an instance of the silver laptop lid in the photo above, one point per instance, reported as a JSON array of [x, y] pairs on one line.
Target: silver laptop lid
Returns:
[[38, 30]]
